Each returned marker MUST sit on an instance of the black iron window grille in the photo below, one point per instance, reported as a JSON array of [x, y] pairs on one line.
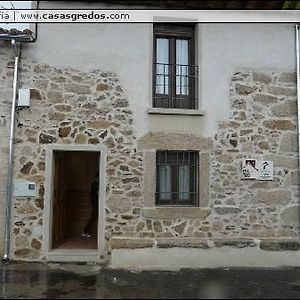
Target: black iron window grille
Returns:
[[177, 177], [175, 76]]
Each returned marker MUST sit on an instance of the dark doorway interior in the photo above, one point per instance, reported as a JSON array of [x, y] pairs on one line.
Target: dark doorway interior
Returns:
[[74, 172]]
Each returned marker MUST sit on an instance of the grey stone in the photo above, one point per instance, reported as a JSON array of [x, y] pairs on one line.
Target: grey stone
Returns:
[[245, 131], [131, 180], [103, 87], [288, 162], [77, 88], [25, 253], [27, 168], [225, 158], [238, 103], [140, 226], [131, 243], [264, 146], [36, 244], [289, 143], [22, 242], [235, 243], [166, 243], [282, 91], [265, 99], [80, 138], [56, 116], [279, 245], [100, 124], [243, 89], [26, 208], [226, 210], [279, 124], [180, 228], [47, 139], [55, 97], [157, 226], [289, 77], [134, 193], [64, 131], [94, 141], [120, 103], [63, 108], [119, 204], [291, 215], [35, 94], [261, 77], [273, 197], [287, 109]]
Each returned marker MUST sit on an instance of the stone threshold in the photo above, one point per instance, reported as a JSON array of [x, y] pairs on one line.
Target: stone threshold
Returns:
[[68, 255]]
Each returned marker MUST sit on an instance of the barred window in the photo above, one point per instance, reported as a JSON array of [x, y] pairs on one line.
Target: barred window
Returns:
[[175, 75], [177, 175]]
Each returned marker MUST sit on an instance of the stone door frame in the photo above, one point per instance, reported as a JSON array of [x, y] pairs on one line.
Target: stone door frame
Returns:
[[76, 254]]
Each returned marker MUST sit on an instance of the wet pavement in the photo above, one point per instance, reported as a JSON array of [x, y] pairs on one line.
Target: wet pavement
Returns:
[[81, 281]]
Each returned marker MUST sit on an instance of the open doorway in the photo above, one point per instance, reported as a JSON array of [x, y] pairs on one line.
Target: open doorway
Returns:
[[73, 175]]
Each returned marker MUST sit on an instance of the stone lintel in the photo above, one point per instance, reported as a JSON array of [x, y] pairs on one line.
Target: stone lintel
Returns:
[[174, 141]]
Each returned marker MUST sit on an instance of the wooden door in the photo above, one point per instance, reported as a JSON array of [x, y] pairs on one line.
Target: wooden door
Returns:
[[59, 207], [82, 168]]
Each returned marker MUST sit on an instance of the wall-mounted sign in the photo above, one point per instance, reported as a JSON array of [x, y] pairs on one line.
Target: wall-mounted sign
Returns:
[[24, 189], [249, 169], [265, 170], [257, 169]]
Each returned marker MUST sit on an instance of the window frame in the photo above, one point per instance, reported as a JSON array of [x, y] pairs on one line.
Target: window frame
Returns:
[[173, 32], [194, 172]]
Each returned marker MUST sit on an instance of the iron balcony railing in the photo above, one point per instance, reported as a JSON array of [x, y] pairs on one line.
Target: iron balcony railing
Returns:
[[175, 86]]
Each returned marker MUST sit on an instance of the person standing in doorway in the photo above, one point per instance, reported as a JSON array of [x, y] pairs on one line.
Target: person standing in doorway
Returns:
[[94, 198]]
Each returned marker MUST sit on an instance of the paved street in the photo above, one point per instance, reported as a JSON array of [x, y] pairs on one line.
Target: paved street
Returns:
[[35, 280]]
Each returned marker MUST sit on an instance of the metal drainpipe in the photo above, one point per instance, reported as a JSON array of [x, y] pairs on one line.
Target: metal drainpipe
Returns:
[[11, 153], [298, 86]]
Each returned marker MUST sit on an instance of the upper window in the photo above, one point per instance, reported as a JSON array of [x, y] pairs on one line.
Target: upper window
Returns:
[[175, 74], [177, 178]]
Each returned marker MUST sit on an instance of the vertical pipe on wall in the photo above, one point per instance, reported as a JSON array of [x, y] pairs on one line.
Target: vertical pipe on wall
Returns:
[[298, 86], [9, 196]]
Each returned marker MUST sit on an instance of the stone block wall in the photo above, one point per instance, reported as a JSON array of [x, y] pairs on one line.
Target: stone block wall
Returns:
[[71, 107], [263, 126], [239, 213]]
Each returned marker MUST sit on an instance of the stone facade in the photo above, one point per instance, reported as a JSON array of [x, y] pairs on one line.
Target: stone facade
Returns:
[[239, 213], [72, 107], [263, 126]]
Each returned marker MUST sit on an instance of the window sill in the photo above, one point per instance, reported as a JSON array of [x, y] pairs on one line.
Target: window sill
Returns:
[[175, 111], [169, 213]]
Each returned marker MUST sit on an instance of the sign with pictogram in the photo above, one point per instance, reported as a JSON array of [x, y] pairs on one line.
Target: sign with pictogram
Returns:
[[265, 170], [249, 169], [257, 169]]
